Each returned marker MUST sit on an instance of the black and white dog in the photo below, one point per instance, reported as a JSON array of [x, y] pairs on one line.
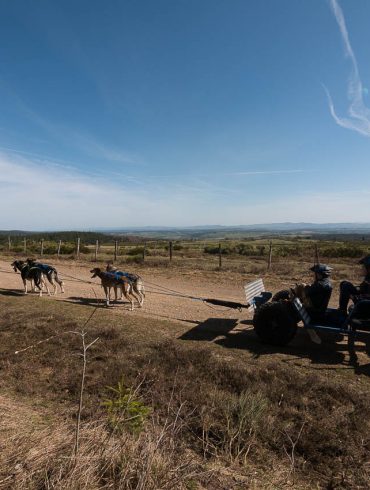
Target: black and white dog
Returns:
[[50, 273], [28, 273]]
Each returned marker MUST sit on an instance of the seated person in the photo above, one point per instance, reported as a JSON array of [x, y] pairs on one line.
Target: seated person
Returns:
[[349, 291], [316, 297]]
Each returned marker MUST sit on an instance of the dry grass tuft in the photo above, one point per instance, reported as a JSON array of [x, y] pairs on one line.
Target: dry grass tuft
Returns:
[[40, 455], [219, 411]]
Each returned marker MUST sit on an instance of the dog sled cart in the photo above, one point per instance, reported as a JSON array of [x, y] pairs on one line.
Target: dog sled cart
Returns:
[[275, 322]]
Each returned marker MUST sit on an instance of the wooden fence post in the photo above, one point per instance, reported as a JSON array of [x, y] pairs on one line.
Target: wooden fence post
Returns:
[[96, 250], [59, 247], [317, 258], [170, 249], [42, 247], [219, 255], [25, 245], [144, 251], [115, 250], [9, 243], [78, 247], [270, 257]]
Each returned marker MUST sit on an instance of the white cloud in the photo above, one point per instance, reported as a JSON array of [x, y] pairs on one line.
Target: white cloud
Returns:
[[268, 172], [359, 114], [92, 147], [39, 196], [82, 141], [331, 207], [44, 196]]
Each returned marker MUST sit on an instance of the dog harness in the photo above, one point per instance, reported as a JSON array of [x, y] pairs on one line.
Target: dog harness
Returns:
[[121, 277], [126, 275], [43, 267]]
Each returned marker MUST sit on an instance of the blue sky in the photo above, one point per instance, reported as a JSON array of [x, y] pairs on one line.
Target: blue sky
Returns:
[[183, 112]]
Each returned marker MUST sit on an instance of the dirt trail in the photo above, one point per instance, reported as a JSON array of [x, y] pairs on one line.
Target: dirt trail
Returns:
[[227, 326], [156, 303]]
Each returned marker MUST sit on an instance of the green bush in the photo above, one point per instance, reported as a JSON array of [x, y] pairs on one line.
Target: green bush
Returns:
[[135, 251], [343, 251], [175, 246], [215, 250], [135, 259], [125, 410], [66, 249], [239, 249], [244, 249], [286, 251], [18, 248], [50, 249], [84, 249]]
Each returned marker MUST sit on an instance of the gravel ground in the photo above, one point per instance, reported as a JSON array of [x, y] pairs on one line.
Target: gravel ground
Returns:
[[157, 303]]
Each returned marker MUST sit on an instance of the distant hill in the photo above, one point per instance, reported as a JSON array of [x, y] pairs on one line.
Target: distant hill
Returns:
[[200, 232], [219, 231], [87, 237], [265, 226]]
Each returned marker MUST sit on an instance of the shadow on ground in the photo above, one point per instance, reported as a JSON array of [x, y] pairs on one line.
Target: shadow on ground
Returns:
[[13, 292], [210, 329], [96, 303], [232, 334]]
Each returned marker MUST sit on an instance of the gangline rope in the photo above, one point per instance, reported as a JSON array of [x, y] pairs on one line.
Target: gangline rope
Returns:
[[162, 290]]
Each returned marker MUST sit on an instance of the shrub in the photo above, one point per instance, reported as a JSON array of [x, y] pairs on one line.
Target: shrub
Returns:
[[135, 251], [125, 410], [233, 421], [286, 251], [175, 246], [136, 259], [211, 250], [343, 251], [84, 249], [244, 249], [18, 248], [240, 249], [215, 250], [66, 249]]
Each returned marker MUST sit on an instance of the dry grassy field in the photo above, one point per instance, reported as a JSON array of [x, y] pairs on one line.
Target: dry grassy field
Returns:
[[199, 402]]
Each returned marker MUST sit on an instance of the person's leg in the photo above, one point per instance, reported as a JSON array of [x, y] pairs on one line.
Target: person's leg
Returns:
[[335, 318], [346, 290]]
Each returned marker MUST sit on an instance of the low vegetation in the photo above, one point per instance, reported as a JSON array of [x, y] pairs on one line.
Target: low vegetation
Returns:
[[161, 412]]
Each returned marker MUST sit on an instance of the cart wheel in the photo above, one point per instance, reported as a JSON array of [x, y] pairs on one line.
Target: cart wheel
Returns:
[[275, 323], [281, 295]]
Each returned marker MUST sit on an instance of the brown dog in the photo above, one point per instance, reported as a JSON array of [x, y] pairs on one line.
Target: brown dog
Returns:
[[135, 282], [109, 281]]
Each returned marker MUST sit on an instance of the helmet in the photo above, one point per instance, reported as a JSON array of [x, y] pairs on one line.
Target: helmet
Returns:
[[365, 261], [322, 269]]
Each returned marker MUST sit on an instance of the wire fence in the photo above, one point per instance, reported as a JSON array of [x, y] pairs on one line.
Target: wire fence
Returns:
[[164, 252]]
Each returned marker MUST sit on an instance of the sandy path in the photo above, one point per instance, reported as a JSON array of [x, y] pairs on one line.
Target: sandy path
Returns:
[[196, 284], [190, 313]]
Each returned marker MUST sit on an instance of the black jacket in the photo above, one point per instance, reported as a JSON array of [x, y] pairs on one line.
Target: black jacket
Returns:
[[319, 293], [365, 285]]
